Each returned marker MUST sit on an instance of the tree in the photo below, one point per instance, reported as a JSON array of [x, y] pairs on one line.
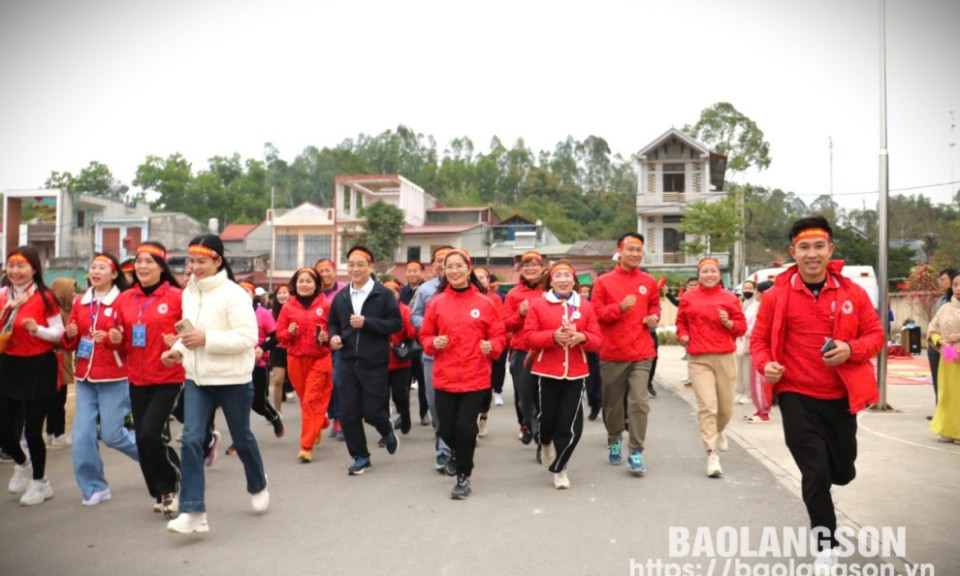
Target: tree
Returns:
[[383, 229], [95, 179], [170, 179], [726, 130], [715, 226]]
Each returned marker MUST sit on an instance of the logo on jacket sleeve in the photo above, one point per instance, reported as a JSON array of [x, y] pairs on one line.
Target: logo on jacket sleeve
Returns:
[[162, 308], [108, 312], [847, 307], [475, 313]]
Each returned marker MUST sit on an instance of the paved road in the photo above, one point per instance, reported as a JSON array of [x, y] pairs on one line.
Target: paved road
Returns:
[[398, 518]]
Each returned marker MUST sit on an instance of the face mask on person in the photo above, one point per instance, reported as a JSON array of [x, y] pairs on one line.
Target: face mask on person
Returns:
[[747, 295]]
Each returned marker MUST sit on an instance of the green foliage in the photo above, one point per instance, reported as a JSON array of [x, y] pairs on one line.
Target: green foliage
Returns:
[[725, 129], [714, 226], [95, 179], [384, 227]]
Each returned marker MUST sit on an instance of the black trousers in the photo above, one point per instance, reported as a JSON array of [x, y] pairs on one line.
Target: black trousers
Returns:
[[656, 354], [57, 414], [822, 437], [261, 395], [363, 398], [159, 462], [417, 374], [400, 392], [499, 373], [561, 417], [525, 392], [594, 384], [25, 416], [458, 412]]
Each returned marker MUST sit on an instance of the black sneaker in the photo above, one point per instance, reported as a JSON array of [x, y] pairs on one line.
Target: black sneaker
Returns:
[[462, 489], [360, 465], [526, 435], [651, 390], [4, 457], [594, 413], [278, 428]]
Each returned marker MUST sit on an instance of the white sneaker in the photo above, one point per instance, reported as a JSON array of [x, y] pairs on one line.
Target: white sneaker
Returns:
[[825, 562], [722, 443], [37, 492], [482, 428], [260, 501], [60, 441], [741, 399], [188, 523], [497, 399], [560, 480], [547, 455], [713, 465], [98, 497], [170, 504], [21, 478]]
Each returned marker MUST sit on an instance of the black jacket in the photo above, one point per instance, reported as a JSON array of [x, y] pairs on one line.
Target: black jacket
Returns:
[[369, 345]]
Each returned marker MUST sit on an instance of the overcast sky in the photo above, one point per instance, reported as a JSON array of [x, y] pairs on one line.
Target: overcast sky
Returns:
[[115, 81]]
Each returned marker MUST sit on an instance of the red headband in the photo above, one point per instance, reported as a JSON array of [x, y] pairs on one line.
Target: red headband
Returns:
[[392, 284], [362, 251], [325, 264], [17, 258], [442, 253], [313, 274], [126, 267], [248, 285], [106, 260], [461, 252], [811, 234], [629, 240], [201, 250], [708, 261], [562, 266], [531, 255], [152, 250]]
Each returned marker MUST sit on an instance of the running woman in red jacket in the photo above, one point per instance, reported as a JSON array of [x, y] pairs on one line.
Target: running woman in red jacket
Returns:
[[563, 329], [709, 322], [463, 333], [624, 299], [815, 334]]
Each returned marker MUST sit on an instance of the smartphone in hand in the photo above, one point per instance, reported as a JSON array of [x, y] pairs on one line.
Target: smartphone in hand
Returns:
[[828, 346], [183, 325]]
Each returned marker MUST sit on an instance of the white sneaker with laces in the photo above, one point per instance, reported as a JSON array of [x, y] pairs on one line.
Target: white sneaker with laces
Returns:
[[497, 399], [713, 465], [722, 443], [37, 493], [260, 501], [188, 523], [482, 428], [21, 478], [98, 497], [560, 480], [825, 562]]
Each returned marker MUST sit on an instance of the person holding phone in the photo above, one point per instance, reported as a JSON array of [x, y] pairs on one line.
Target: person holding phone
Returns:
[[303, 328], [820, 387], [216, 347], [709, 322]]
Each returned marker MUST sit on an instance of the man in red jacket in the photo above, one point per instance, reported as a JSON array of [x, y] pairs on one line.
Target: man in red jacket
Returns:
[[624, 299], [813, 339]]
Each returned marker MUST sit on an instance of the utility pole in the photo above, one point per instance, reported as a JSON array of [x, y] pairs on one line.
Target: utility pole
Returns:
[[273, 238], [830, 138], [883, 232]]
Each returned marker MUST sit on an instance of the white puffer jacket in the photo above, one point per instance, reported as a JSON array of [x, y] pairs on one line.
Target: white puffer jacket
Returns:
[[223, 310]]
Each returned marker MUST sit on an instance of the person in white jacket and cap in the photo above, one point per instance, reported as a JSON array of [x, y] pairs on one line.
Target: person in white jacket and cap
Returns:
[[218, 334]]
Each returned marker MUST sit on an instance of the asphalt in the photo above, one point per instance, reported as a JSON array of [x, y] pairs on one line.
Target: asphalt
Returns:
[[398, 518]]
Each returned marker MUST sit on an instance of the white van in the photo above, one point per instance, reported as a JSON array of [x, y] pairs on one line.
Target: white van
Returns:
[[865, 276]]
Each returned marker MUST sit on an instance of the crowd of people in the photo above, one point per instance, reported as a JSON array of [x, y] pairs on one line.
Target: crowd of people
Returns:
[[147, 347]]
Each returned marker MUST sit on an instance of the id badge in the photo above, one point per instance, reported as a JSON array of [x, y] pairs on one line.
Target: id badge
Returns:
[[139, 336], [85, 349]]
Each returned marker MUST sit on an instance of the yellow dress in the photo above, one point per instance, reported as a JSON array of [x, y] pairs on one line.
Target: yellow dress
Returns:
[[946, 419]]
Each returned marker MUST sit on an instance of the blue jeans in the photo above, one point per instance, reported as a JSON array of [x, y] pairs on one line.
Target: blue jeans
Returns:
[[111, 401], [432, 402], [199, 402]]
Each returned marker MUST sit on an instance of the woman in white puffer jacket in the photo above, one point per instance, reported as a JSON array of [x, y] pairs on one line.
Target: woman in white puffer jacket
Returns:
[[218, 335]]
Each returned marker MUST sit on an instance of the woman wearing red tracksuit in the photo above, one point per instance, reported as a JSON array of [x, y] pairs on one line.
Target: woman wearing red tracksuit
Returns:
[[563, 328], [515, 308], [302, 328], [400, 371], [463, 333], [709, 321], [144, 315]]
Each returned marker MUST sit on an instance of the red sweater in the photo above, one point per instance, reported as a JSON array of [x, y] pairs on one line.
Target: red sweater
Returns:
[[625, 336], [465, 318], [158, 312], [304, 342], [550, 359], [104, 364], [22, 343], [791, 329], [512, 320], [699, 319]]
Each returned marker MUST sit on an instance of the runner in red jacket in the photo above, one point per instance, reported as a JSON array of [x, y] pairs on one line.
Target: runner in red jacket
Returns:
[[563, 328], [463, 333], [499, 367], [303, 328], [145, 314], [400, 371], [627, 302], [709, 322], [814, 336], [515, 309]]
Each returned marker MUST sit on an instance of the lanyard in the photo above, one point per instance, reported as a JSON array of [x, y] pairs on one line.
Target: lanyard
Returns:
[[143, 307], [94, 316]]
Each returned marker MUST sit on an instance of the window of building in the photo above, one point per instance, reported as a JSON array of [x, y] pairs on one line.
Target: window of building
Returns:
[[315, 247], [413, 254], [346, 199], [671, 240], [287, 252], [673, 177]]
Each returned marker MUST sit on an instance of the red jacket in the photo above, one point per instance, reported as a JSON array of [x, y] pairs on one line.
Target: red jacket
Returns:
[[104, 364], [699, 318], [854, 321], [546, 316], [397, 338], [158, 312], [512, 320], [466, 318], [22, 343], [304, 342], [625, 336]]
